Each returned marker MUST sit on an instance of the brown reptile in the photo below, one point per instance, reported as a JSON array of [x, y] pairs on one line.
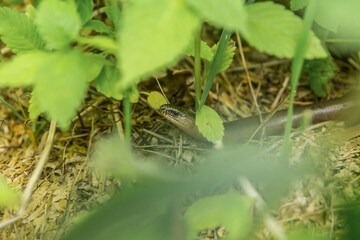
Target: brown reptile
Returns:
[[242, 129]]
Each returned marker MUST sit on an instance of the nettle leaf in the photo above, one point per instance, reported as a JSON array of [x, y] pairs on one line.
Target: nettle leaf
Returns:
[[205, 50], [106, 81], [153, 36], [320, 72], [226, 60], [18, 31], [231, 210], [61, 85], [210, 124], [99, 26], [222, 13], [100, 42], [22, 69], [85, 9], [58, 22], [275, 30], [95, 63], [298, 4], [156, 99], [8, 195]]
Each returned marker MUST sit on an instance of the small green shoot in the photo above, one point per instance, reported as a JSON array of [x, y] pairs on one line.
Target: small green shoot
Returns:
[[156, 100]]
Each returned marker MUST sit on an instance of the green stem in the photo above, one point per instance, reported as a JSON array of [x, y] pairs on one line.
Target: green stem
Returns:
[[127, 117], [13, 110], [296, 67], [197, 69]]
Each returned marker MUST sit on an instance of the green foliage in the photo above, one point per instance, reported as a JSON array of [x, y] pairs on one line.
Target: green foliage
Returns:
[[162, 192], [99, 42], [85, 9], [58, 22], [225, 61], [281, 29], [8, 195], [148, 43], [230, 210], [106, 81], [210, 124], [156, 100], [18, 31], [320, 72], [298, 4], [228, 14], [205, 50], [99, 26]]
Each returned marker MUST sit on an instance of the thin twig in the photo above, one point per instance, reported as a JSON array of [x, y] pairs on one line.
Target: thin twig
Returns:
[[162, 91], [260, 205], [34, 177], [248, 75], [281, 91]]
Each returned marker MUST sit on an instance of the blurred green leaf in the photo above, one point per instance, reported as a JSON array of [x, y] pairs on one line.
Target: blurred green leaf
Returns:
[[99, 42], [85, 9], [99, 26], [106, 81], [21, 70], [205, 50], [298, 4], [281, 28], [320, 72], [58, 22], [61, 84], [18, 31], [8, 195], [230, 210], [34, 108], [210, 124], [154, 34], [228, 14]]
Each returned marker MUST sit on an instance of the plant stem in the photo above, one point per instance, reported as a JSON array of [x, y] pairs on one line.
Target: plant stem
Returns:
[[127, 116], [223, 43], [197, 69], [13, 110], [296, 67]]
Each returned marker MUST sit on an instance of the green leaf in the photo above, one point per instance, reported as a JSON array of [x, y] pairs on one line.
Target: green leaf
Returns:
[[99, 26], [21, 70], [100, 42], [231, 210], [226, 59], [281, 29], [154, 36], [34, 108], [156, 99], [298, 4], [210, 124], [8, 196], [58, 23], [18, 31], [85, 9], [95, 63], [320, 72], [114, 14], [106, 81], [61, 84], [228, 14], [205, 50]]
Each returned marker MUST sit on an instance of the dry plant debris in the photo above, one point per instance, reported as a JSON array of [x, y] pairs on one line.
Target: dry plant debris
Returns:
[[69, 186]]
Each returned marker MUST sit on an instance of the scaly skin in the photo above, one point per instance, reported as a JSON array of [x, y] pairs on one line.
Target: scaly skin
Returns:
[[336, 109]]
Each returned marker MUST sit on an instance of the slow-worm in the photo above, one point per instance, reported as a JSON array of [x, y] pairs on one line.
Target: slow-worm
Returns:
[[242, 129]]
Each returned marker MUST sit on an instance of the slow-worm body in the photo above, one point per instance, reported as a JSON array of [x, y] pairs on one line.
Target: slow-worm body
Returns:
[[242, 129]]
